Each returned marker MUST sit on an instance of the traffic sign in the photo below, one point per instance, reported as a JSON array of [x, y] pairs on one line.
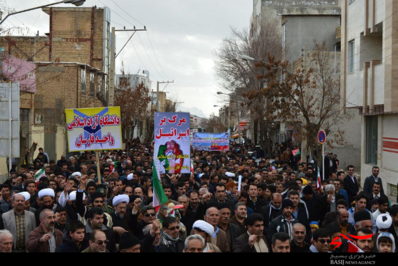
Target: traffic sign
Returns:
[[322, 137]]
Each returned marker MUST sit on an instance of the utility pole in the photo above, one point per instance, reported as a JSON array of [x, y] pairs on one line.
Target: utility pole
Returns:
[[113, 61], [157, 91]]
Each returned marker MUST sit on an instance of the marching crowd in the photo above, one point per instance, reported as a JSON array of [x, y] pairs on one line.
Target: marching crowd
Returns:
[[232, 201]]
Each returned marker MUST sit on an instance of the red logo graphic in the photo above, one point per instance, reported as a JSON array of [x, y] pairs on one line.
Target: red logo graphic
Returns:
[[338, 244]]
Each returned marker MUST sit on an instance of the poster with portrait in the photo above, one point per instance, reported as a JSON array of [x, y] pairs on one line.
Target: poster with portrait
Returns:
[[172, 143]]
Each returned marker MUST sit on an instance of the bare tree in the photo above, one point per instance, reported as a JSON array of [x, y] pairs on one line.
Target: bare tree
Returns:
[[308, 96], [214, 125], [242, 77]]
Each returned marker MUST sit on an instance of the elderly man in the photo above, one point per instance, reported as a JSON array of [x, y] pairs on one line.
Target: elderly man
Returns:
[[19, 222], [151, 241], [219, 238], [327, 203], [6, 241], [194, 244], [129, 243], [253, 240], [45, 238], [97, 243], [205, 230], [272, 210], [232, 231], [298, 244]]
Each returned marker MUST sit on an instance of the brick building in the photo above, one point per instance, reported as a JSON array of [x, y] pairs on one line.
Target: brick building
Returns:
[[72, 69]]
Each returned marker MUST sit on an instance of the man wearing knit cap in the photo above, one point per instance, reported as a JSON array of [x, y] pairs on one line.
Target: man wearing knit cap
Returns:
[[46, 195], [284, 222], [60, 219], [18, 218], [129, 243], [205, 230]]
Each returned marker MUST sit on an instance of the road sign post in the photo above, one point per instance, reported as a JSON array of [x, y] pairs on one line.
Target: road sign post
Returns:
[[322, 140]]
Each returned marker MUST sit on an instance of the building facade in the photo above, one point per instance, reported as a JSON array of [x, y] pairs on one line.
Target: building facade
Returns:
[[72, 69], [369, 66]]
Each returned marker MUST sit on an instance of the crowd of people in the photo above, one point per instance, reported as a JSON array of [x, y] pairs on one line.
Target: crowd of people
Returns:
[[232, 201]]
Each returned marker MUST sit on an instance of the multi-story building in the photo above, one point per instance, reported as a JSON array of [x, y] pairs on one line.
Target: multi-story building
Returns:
[[369, 59], [72, 69]]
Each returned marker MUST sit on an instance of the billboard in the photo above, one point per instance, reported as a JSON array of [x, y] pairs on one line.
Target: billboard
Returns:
[[92, 129], [211, 141], [172, 143]]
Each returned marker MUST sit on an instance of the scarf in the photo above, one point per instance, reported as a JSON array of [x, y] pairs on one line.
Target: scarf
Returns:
[[271, 207], [260, 245], [169, 240]]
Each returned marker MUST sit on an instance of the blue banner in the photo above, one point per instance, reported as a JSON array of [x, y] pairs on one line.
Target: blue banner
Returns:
[[211, 141]]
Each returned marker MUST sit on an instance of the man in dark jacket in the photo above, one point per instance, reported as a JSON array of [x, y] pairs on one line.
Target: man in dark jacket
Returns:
[[327, 203], [151, 241], [351, 185], [95, 220], [232, 230], [284, 222], [252, 241], [272, 210], [254, 202], [73, 241], [171, 240]]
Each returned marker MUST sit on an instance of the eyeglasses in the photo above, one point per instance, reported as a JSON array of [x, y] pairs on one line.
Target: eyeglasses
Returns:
[[149, 214], [101, 242], [322, 241], [174, 228]]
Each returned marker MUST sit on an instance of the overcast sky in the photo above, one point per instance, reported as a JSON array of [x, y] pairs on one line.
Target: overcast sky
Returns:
[[179, 45]]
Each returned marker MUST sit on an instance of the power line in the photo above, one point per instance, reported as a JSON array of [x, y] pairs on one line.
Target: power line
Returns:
[[127, 13]]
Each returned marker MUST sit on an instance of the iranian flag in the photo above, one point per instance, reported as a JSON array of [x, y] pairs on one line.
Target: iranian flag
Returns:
[[39, 174], [319, 184], [192, 170], [352, 248], [159, 198]]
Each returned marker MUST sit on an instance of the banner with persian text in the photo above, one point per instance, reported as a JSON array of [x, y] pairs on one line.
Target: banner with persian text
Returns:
[[211, 141], [172, 143], [92, 129]]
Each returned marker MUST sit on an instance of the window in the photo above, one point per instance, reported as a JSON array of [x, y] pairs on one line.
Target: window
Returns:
[[351, 55], [83, 80], [92, 84], [24, 115], [99, 89], [371, 139]]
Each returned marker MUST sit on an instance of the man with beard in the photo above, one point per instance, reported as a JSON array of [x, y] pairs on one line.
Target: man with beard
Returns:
[[95, 221], [298, 244], [97, 243], [193, 200], [47, 196], [342, 223], [253, 240], [240, 216], [232, 231], [364, 240], [284, 222], [205, 230], [119, 218], [45, 238], [219, 238], [187, 216], [60, 219], [17, 219]]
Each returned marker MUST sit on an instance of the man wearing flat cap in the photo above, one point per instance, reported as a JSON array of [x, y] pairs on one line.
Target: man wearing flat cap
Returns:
[[46, 195], [284, 222], [129, 243], [19, 221], [205, 230]]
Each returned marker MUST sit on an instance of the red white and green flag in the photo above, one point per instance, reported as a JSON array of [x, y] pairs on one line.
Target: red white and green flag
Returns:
[[159, 198], [39, 174], [319, 183]]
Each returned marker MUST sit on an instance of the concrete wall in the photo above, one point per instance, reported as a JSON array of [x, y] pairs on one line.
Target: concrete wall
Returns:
[[301, 31]]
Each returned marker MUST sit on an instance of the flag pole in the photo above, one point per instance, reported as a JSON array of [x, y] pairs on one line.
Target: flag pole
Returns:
[[323, 161], [98, 167]]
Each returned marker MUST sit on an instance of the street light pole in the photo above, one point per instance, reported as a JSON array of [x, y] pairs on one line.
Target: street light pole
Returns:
[[74, 2]]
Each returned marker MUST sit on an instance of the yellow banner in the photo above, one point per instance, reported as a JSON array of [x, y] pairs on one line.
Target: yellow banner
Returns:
[[91, 129]]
